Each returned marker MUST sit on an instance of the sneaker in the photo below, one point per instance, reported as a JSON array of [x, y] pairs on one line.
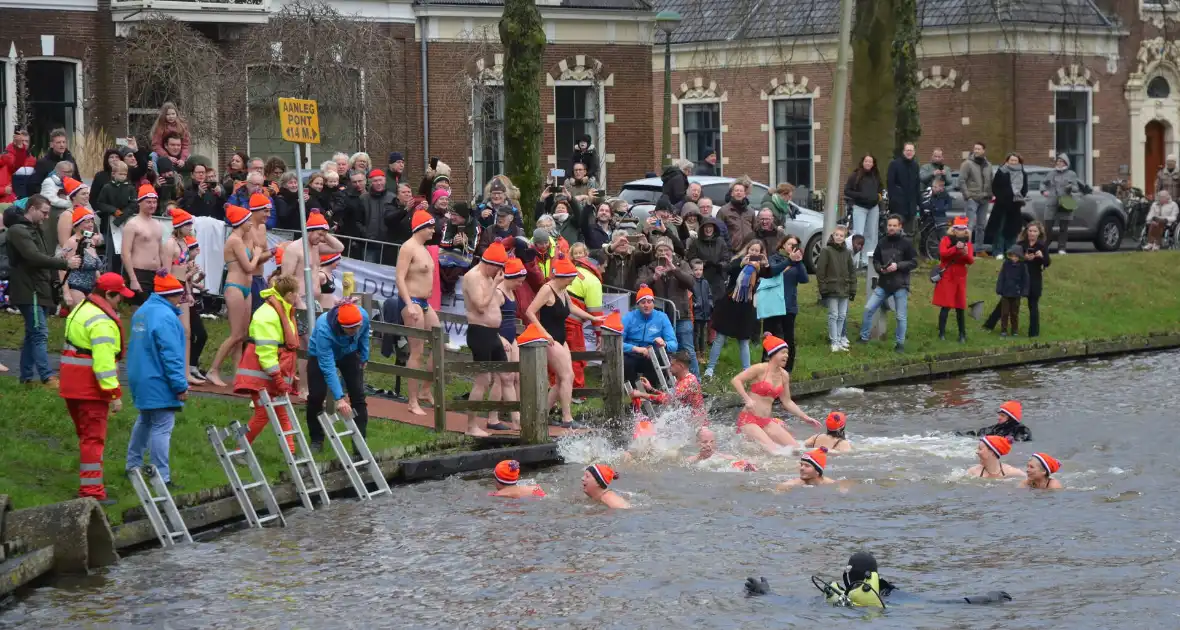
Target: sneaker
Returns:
[[1003, 334], [317, 447], [861, 340], [899, 348], [196, 373], [963, 338], [837, 348], [1061, 252], [845, 343], [51, 382], [1001, 257], [708, 372], [942, 336]]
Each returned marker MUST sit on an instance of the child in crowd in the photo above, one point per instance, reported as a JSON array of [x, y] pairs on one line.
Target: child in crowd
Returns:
[[837, 285], [702, 306], [1011, 285], [858, 245], [939, 202]]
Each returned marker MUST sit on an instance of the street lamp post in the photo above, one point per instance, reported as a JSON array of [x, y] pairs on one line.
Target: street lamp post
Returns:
[[667, 21]]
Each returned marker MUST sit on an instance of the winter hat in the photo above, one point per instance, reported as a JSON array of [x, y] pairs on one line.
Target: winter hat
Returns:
[[1016, 250], [236, 215], [506, 210], [166, 284], [440, 178], [316, 221], [961, 222], [644, 293], [376, 173], [643, 428], [514, 269], [1051, 465], [1001, 446], [1012, 409], [439, 194], [163, 167], [462, 209], [563, 268], [836, 421], [81, 214], [507, 472], [532, 336], [329, 259], [72, 186], [817, 458], [603, 474], [495, 255], [191, 243], [348, 315], [146, 191], [540, 235], [180, 218], [772, 344], [259, 201], [613, 323], [396, 157], [422, 220], [663, 241], [497, 186]]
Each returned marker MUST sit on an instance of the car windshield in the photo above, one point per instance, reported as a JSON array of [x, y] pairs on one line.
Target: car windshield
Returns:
[[640, 194], [717, 193]]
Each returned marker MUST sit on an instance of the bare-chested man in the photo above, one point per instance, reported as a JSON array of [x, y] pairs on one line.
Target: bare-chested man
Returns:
[[319, 241], [415, 284], [483, 326], [143, 246]]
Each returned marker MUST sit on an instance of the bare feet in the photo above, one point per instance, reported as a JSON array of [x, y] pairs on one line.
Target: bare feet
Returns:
[[3, 368], [415, 409], [474, 431], [215, 378], [195, 381]]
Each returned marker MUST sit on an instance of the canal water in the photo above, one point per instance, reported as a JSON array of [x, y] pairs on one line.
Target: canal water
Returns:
[[1101, 554]]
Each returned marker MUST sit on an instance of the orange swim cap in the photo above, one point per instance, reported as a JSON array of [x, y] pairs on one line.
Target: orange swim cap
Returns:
[[1051, 465], [508, 472], [1012, 409], [1001, 446], [836, 421], [817, 458], [644, 428], [603, 474]]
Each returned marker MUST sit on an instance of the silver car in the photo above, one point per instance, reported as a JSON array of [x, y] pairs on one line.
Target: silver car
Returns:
[[807, 224], [1100, 216]]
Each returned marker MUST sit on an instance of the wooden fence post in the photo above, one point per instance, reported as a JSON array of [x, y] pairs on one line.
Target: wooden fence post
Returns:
[[534, 394], [439, 386], [614, 399]]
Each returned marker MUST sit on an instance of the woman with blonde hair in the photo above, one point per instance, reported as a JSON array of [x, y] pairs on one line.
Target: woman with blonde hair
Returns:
[[243, 260], [360, 162], [170, 121], [734, 316]]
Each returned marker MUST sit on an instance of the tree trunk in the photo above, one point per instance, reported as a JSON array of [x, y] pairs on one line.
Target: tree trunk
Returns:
[[905, 74], [872, 90], [523, 36]]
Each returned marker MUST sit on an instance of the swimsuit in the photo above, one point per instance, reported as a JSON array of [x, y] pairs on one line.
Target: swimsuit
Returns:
[[328, 286], [553, 316], [422, 302], [507, 317], [984, 470], [147, 286], [243, 288], [485, 343], [765, 389], [747, 417]]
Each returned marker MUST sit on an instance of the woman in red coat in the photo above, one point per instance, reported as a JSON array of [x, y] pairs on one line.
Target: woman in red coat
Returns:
[[954, 253]]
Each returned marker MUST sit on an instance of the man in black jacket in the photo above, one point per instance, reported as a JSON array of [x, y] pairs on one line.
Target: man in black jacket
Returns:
[[904, 187], [58, 152], [374, 206], [894, 259]]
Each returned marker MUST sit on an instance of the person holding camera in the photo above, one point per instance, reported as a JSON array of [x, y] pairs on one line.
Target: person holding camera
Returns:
[[893, 261], [955, 253], [30, 284], [625, 254], [734, 315], [83, 242]]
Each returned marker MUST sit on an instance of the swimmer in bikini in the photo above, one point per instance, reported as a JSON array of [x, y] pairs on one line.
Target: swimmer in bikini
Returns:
[[595, 483], [991, 449], [834, 439], [706, 443], [415, 284], [1040, 467], [507, 474], [811, 471], [771, 381]]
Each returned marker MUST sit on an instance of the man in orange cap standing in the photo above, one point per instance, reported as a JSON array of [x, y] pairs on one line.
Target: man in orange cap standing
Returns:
[[596, 480], [482, 302], [142, 246], [90, 376], [1009, 424], [415, 284], [319, 242], [340, 342]]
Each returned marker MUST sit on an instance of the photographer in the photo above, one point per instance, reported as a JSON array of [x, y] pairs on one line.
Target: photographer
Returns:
[[203, 198], [670, 278], [663, 224], [83, 242], [30, 284], [624, 256]]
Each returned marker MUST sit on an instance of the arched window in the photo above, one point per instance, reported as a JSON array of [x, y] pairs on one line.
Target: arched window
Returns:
[[1158, 88]]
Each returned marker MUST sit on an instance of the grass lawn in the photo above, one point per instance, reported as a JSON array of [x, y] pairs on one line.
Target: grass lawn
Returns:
[[40, 448]]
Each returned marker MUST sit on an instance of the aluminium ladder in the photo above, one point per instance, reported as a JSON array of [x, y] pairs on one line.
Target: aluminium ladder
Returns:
[[236, 432], [645, 405], [168, 526], [302, 455], [663, 367], [361, 447]]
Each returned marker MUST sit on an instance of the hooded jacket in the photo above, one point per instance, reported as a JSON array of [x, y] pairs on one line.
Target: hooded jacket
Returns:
[[156, 372], [1013, 281], [675, 184], [1059, 183], [588, 158], [836, 272], [329, 344], [11, 163], [714, 252], [702, 299], [31, 264], [640, 331]]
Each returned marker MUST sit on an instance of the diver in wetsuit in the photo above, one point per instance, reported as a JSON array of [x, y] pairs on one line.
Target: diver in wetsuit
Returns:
[[1008, 424], [863, 586]]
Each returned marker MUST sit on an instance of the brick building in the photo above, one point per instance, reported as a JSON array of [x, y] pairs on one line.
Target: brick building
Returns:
[[1094, 79]]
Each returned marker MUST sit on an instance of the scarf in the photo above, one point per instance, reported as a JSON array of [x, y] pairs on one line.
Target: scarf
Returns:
[[1016, 175], [744, 290]]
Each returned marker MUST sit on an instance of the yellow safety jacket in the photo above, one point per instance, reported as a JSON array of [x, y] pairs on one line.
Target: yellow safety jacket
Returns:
[[90, 359]]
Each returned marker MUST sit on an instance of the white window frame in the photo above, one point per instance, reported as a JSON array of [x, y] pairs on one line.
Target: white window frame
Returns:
[[488, 87], [79, 93], [600, 123], [7, 126], [307, 147], [720, 126], [1088, 152], [773, 166]]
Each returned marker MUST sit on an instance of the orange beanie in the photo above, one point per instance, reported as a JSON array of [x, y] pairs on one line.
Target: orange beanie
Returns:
[[603, 474], [507, 472], [1001, 446]]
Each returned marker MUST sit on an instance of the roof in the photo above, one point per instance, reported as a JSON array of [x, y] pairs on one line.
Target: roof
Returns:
[[703, 180], [612, 5], [726, 20]]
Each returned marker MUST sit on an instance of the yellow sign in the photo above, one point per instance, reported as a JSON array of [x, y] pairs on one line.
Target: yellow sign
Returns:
[[299, 120]]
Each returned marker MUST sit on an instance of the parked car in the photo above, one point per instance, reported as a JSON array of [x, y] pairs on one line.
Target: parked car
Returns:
[[807, 224], [1100, 216]]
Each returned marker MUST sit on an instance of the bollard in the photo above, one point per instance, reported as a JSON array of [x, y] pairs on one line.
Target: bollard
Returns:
[[534, 394], [614, 398]]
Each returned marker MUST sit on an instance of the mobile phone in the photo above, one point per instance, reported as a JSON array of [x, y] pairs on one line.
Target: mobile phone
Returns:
[[87, 234], [554, 189], [557, 172], [659, 223]]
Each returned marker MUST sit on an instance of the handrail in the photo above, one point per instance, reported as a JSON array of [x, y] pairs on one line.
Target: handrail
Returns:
[[399, 330]]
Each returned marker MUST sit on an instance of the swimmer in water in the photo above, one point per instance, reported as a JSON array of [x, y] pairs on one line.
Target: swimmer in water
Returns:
[[507, 474], [834, 439], [863, 586], [1040, 467], [770, 381], [595, 481], [811, 471], [991, 449], [707, 442]]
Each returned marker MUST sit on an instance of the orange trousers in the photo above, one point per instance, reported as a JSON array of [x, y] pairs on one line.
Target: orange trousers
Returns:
[[90, 423], [260, 419]]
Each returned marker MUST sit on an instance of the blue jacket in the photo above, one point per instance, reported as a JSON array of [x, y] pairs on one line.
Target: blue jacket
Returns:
[[640, 330], [702, 299], [792, 274], [156, 371], [329, 344]]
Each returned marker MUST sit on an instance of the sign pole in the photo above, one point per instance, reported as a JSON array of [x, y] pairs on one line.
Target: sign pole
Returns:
[[299, 120], [307, 286]]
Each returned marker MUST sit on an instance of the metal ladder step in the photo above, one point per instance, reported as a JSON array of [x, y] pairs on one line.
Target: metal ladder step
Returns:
[[153, 493], [237, 433], [361, 447], [252, 485], [307, 483]]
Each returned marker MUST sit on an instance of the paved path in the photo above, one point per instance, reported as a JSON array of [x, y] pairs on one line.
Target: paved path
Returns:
[[378, 407]]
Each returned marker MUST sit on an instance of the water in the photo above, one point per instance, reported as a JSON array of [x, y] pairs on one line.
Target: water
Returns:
[[443, 554]]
